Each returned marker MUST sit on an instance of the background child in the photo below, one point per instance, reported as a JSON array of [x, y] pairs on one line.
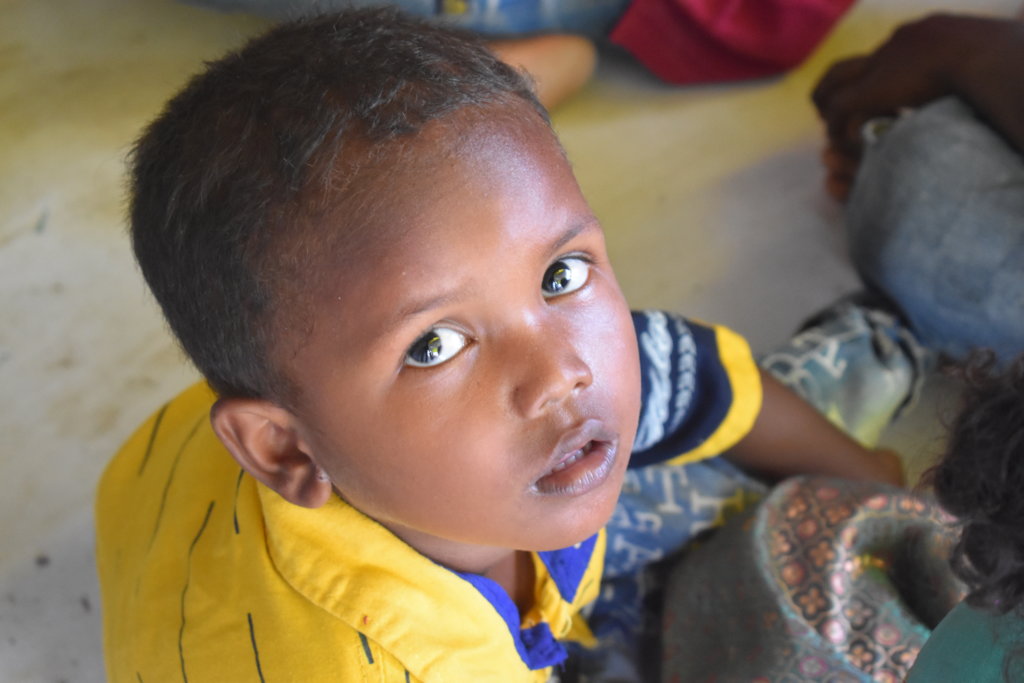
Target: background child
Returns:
[[366, 236], [980, 479], [935, 199], [925, 141], [936, 195]]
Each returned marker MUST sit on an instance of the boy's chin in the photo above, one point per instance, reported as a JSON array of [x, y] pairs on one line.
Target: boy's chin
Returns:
[[582, 527]]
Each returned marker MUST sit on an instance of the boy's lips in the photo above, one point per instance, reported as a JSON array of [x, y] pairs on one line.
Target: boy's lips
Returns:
[[580, 461]]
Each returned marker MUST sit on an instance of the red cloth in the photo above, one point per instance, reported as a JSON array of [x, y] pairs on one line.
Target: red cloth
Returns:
[[697, 41]]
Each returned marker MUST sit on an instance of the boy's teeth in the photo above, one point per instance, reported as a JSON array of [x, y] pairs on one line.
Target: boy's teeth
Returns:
[[571, 459], [568, 461]]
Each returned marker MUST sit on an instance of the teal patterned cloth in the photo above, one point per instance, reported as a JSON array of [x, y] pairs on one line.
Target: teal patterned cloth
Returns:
[[825, 580], [858, 365]]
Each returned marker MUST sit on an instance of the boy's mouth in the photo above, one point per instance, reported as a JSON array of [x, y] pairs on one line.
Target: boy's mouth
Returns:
[[580, 462]]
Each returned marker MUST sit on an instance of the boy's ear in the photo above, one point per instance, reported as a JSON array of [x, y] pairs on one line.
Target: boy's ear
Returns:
[[263, 439]]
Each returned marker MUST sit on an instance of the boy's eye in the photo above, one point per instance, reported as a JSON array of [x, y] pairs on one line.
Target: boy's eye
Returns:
[[564, 276], [435, 347]]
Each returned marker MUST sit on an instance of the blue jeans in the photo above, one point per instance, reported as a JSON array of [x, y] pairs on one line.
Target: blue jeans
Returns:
[[591, 18], [936, 223], [662, 508]]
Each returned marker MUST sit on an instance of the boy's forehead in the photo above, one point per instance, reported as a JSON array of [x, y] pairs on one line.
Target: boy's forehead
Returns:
[[403, 180]]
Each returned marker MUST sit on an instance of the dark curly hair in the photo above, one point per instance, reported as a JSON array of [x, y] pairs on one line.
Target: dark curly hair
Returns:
[[980, 479], [228, 182]]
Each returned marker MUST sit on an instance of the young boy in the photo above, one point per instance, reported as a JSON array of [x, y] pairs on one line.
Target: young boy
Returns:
[[426, 381]]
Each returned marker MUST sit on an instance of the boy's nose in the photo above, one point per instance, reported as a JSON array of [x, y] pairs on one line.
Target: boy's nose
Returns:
[[550, 371]]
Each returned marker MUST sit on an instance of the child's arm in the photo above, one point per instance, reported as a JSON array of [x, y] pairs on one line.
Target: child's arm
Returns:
[[790, 437]]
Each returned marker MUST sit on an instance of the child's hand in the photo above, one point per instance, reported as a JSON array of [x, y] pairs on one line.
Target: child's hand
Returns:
[[914, 66], [979, 59], [890, 466], [840, 171]]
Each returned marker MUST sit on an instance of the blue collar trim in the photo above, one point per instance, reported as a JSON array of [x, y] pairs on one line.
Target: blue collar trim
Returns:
[[568, 565], [537, 645]]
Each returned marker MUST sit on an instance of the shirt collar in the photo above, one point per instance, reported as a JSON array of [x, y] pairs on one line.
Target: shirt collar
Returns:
[[415, 609], [536, 644]]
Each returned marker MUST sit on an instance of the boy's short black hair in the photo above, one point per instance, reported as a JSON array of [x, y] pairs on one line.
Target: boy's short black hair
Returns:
[[225, 181]]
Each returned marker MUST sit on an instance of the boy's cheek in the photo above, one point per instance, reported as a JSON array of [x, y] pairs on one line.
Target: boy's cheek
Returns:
[[621, 364]]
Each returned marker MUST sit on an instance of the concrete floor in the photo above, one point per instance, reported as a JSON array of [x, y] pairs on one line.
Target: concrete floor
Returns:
[[710, 196]]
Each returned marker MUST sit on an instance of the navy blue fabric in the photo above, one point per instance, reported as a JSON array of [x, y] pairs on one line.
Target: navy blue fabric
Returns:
[[567, 566], [685, 390], [542, 648]]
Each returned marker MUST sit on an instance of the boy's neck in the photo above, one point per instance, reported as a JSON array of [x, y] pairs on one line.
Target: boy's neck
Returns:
[[510, 569], [516, 575]]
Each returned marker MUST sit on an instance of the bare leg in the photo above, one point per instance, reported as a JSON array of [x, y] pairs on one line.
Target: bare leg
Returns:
[[559, 64]]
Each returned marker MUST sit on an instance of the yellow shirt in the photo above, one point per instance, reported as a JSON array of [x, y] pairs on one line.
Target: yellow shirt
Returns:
[[207, 575]]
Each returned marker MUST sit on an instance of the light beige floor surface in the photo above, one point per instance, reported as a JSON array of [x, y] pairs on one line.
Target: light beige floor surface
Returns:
[[710, 196]]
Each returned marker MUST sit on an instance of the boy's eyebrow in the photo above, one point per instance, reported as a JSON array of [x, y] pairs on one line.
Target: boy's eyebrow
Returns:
[[578, 224], [417, 307]]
